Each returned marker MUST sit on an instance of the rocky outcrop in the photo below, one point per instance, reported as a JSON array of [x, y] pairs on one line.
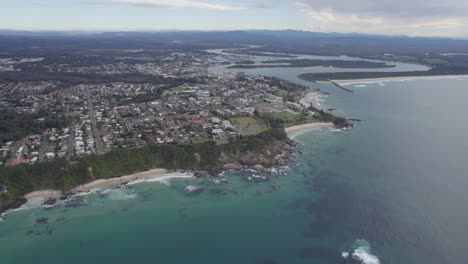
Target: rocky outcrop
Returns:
[[50, 202], [232, 166], [3, 189], [265, 152], [258, 167], [15, 204]]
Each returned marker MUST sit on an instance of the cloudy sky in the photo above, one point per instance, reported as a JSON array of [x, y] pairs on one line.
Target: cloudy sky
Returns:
[[391, 17]]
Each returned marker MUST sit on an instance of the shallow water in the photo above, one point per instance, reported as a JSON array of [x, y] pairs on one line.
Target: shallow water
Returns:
[[292, 72]]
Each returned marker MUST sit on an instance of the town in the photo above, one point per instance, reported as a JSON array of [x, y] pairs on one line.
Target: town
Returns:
[[189, 106]]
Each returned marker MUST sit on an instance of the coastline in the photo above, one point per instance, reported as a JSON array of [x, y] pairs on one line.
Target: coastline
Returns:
[[140, 176], [49, 197], [295, 131], [99, 184], [309, 99], [154, 174], [395, 79], [43, 194], [312, 98]]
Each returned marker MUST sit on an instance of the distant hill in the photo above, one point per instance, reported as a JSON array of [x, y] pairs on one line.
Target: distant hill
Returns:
[[271, 40]]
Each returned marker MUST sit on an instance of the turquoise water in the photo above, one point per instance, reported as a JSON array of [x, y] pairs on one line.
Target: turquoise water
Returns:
[[393, 189]]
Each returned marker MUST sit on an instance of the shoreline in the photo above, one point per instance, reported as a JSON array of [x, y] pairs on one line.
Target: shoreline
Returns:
[[102, 183], [295, 131], [50, 197], [99, 184], [153, 174], [393, 79], [313, 98], [309, 99]]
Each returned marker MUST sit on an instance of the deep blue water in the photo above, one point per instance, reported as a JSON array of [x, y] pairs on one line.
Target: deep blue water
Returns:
[[394, 187]]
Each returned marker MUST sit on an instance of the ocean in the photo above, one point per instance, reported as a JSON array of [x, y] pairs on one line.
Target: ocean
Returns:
[[390, 190]]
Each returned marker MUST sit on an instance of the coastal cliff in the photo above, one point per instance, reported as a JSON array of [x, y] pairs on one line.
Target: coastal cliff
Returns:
[[267, 149]]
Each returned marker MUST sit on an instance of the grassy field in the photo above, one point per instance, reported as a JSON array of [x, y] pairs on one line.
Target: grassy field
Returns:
[[289, 118], [285, 116], [173, 90], [198, 140], [250, 126]]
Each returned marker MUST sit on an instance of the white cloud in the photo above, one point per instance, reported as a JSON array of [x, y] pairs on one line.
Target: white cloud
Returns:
[[411, 17], [178, 4]]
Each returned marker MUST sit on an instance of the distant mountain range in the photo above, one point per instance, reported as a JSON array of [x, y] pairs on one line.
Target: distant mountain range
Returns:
[[270, 33], [292, 41]]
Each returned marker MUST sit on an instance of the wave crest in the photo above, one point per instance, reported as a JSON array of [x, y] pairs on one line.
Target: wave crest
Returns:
[[362, 252], [118, 194]]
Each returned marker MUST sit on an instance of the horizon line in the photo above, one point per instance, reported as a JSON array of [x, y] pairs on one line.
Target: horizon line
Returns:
[[100, 31]]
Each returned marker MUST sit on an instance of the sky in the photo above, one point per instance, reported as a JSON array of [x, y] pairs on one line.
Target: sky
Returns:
[[445, 18]]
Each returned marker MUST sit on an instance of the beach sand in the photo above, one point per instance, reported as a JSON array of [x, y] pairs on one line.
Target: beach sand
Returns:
[[145, 175], [98, 184], [44, 194], [402, 78], [301, 129], [309, 99]]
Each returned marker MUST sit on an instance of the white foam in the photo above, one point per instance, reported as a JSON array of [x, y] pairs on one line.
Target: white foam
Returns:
[[93, 191], [382, 81], [345, 255], [30, 204], [363, 253], [165, 179], [119, 194]]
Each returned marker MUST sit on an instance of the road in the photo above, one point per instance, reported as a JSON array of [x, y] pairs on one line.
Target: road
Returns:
[[92, 116]]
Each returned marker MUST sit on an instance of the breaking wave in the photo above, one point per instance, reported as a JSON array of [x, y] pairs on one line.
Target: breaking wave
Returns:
[[362, 252], [118, 194], [166, 178], [30, 204]]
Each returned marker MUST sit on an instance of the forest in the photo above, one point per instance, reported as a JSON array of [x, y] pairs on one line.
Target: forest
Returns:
[[14, 126]]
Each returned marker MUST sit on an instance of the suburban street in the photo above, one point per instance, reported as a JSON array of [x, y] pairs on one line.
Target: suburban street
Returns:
[[92, 116]]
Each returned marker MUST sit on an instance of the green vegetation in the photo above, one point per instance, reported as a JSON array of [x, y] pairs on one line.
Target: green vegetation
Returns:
[[315, 63], [173, 90], [256, 144], [80, 78], [312, 77], [435, 61], [287, 118], [250, 52], [64, 175], [199, 140], [14, 126], [250, 126]]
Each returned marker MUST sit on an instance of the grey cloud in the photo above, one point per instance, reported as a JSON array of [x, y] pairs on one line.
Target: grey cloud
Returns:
[[393, 8], [264, 4], [199, 4], [412, 17]]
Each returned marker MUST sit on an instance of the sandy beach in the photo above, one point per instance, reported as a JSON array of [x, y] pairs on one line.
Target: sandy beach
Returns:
[[98, 184], [309, 99], [145, 175], [44, 194], [301, 129], [391, 79]]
